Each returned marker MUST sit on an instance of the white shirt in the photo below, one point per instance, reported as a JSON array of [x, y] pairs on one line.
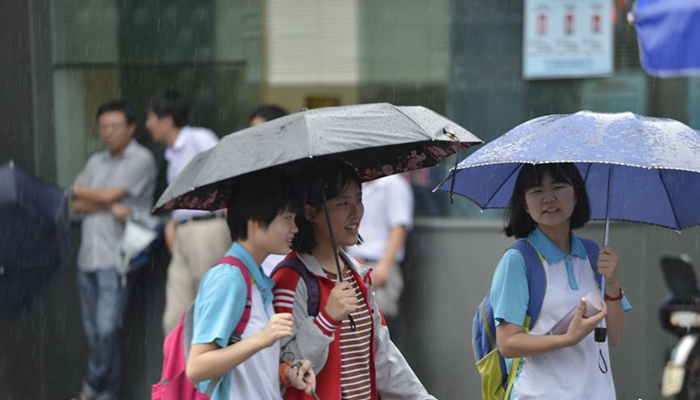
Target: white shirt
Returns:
[[565, 380], [388, 203], [190, 142], [247, 381], [271, 262]]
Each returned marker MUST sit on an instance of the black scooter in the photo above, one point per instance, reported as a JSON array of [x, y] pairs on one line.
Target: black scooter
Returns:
[[680, 315]]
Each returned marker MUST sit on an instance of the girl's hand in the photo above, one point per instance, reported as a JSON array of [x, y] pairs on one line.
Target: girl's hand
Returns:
[[341, 302], [302, 376], [279, 326], [581, 327], [607, 263]]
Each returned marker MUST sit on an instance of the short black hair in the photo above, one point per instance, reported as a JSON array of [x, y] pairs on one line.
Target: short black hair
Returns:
[[170, 102], [519, 222], [259, 197], [118, 105], [268, 113], [313, 179]]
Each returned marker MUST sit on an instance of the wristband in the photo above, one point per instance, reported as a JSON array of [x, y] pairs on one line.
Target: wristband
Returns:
[[616, 298], [284, 378]]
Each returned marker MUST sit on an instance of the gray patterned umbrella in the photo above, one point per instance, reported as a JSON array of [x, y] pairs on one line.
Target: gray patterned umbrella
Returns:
[[377, 139]]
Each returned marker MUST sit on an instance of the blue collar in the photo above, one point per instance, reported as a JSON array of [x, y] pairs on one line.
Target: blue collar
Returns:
[[550, 251], [263, 282]]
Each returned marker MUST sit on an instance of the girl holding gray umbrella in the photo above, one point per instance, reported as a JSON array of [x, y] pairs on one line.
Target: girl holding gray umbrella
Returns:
[[346, 341]]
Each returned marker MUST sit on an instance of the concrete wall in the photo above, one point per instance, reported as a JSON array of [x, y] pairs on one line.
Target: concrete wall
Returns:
[[43, 351]]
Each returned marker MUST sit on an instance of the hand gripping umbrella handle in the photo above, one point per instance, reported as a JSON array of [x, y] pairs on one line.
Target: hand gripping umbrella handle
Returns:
[[353, 327]]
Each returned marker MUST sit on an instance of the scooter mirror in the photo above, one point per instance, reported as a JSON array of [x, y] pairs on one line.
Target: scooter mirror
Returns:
[[680, 277]]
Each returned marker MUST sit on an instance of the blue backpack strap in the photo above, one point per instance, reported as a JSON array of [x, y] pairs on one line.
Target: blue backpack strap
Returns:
[[592, 250], [312, 289], [536, 278]]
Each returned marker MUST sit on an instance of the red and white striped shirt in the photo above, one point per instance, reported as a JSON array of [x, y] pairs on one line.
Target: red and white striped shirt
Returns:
[[355, 348]]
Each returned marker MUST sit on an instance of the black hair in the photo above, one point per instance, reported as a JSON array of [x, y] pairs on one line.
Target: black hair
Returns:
[[314, 179], [268, 113], [170, 102], [519, 223], [120, 106], [259, 197]]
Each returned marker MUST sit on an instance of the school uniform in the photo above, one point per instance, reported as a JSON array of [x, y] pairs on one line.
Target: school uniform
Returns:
[[218, 310], [575, 372]]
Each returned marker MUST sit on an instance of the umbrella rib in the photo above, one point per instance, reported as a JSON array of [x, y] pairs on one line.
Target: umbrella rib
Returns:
[[663, 184], [411, 119], [588, 171], [503, 182]]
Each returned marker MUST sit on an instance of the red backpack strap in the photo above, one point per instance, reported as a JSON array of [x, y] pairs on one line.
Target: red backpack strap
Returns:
[[238, 331]]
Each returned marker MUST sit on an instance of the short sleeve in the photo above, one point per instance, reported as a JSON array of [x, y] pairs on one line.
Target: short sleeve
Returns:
[[400, 207], [509, 289], [219, 305]]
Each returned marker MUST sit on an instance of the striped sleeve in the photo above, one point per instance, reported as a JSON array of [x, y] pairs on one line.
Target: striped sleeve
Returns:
[[290, 292]]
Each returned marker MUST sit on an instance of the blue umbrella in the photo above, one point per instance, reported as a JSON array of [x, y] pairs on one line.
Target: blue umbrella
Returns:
[[34, 236], [636, 168], [669, 36]]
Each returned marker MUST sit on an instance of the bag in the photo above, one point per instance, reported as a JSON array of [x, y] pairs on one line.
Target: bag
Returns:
[[312, 289], [143, 232], [495, 381], [174, 384]]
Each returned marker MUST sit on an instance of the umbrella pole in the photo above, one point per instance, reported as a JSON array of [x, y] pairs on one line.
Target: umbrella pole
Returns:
[[353, 327], [601, 332]]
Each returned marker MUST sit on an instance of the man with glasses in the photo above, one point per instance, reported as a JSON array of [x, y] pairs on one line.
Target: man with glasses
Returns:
[[113, 183]]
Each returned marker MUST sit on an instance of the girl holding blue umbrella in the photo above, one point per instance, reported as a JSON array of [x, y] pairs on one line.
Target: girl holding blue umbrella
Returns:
[[548, 202]]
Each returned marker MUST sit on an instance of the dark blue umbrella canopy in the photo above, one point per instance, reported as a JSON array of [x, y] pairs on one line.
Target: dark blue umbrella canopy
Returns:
[[34, 235], [649, 167]]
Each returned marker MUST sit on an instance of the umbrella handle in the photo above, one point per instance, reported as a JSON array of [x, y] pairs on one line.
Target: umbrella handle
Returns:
[[353, 327]]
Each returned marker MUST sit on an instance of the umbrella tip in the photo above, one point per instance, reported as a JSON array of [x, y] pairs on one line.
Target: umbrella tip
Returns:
[[449, 133]]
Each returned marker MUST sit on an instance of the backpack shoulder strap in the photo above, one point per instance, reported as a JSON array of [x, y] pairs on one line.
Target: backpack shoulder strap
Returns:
[[248, 301], [312, 288], [188, 318], [592, 250], [536, 279]]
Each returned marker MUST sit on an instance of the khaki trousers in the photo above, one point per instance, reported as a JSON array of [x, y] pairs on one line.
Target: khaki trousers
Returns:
[[198, 245]]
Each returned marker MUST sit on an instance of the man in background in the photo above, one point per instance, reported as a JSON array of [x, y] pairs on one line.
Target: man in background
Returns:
[[196, 239], [113, 184]]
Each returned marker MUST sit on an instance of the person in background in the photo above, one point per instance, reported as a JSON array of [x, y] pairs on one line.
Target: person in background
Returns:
[[196, 239], [113, 183], [265, 113]]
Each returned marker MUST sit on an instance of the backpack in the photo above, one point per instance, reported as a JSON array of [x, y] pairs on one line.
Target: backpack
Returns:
[[495, 381], [174, 384], [312, 289]]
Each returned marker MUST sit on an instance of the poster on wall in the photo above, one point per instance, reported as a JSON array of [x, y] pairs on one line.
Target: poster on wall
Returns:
[[567, 39]]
